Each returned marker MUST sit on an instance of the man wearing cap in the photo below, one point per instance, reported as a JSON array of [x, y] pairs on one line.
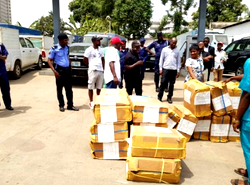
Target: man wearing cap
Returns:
[[143, 54], [62, 71], [158, 46], [133, 65], [94, 58], [112, 72], [123, 52], [220, 58], [4, 81]]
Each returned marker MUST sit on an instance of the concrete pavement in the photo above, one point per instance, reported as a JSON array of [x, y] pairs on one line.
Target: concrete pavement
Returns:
[[40, 145]]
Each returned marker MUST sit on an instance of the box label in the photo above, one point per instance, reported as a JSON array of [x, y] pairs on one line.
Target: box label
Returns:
[[114, 98], [219, 129], [186, 126], [112, 92], [203, 98], [219, 104], [108, 112], [187, 96], [136, 99], [106, 132], [203, 126], [171, 123], [232, 133], [158, 129], [111, 150], [235, 102], [151, 114]]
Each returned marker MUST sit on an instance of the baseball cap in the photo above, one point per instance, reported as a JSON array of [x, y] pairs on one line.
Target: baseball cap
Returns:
[[142, 40], [96, 37], [220, 43], [116, 40]]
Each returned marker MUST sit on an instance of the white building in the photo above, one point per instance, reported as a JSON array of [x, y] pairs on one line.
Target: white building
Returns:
[[5, 11]]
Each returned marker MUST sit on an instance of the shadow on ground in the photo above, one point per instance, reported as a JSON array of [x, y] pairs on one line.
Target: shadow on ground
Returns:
[[17, 110]]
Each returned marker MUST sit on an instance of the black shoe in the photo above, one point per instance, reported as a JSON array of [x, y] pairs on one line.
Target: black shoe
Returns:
[[169, 100], [73, 108], [62, 109], [159, 99], [166, 90], [9, 108], [157, 89]]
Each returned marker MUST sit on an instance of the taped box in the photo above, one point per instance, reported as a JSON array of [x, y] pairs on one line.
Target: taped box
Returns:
[[148, 110], [187, 123], [197, 98], [202, 129], [232, 135], [156, 142], [164, 125], [108, 132], [235, 94], [115, 150], [173, 119], [114, 92], [220, 128], [112, 108], [221, 101], [153, 170]]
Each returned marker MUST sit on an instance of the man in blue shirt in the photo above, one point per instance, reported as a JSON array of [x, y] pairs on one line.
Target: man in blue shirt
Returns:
[[143, 54], [4, 81], [123, 51], [62, 71], [158, 46]]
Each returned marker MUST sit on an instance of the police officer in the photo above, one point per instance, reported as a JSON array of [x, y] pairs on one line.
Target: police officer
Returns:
[[143, 54], [62, 71], [4, 81], [123, 51], [158, 46]]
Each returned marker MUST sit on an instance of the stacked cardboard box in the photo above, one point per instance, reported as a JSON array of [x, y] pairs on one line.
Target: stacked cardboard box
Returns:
[[155, 154], [109, 130], [234, 93], [173, 119]]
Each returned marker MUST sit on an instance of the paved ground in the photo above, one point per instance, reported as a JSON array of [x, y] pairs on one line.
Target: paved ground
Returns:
[[40, 145]]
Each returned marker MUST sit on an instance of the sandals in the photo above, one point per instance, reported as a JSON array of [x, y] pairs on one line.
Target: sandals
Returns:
[[236, 182], [239, 172]]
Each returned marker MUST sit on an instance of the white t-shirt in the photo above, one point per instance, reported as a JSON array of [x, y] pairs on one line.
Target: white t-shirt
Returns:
[[95, 58], [220, 55], [112, 55]]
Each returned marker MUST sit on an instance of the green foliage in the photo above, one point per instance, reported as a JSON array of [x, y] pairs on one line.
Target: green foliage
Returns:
[[222, 11]]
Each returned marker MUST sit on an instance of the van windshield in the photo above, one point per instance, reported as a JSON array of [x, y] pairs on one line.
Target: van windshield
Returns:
[[37, 42], [222, 38]]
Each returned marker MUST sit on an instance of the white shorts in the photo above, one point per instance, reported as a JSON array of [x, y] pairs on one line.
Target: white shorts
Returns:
[[95, 79]]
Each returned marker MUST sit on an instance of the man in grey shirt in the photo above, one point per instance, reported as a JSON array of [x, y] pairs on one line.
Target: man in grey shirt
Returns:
[[169, 65]]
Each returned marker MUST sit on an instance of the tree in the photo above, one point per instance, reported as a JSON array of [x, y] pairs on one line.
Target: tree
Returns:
[[45, 25], [179, 9], [221, 11], [133, 17]]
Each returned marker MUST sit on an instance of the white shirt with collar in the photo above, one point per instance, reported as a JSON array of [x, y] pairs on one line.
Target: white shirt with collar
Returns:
[[217, 60], [170, 59], [206, 48]]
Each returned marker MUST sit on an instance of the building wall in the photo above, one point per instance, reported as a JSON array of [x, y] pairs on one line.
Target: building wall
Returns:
[[238, 31], [5, 11]]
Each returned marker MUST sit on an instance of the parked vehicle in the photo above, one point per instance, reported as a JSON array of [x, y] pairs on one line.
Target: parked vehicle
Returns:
[[150, 62], [76, 52], [43, 43], [22, 53], [238, 52]]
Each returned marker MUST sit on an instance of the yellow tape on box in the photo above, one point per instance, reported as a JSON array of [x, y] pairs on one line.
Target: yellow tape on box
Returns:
[[202, 129], [164, 125], [173, 119], [234, 93], [220, 128]]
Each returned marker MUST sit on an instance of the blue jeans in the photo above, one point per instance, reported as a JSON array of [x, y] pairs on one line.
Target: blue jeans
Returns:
[[245, 143], [111, 85]]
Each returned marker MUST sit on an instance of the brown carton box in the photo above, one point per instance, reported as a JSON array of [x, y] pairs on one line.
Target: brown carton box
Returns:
[[114, 92], [173, 119], [232, 135], [220, 128], [164, 125], [148, 110], [153, 170], [235, 94], [197, 98], [202, 129], [115, 150], [187, 123], [156, 142], [221, 101]]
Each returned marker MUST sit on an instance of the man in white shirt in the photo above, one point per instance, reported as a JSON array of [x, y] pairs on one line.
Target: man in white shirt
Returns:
[[169, 65], [112, 72], [93, 57], [220, 58]]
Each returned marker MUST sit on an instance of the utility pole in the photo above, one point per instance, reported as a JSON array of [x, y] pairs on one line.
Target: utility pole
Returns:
[[202, 19], [56, 19]]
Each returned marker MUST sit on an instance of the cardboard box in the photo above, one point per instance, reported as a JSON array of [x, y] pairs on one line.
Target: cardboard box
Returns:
[[173, 119], [220, 128], [108, 132], [148, 110], [115, 150], [221, 101], [164, 125], [197, 98], [232, 135], [187, 123], [235, 94], [114, 92], [112, 108], [202, 129], [153, 170], [156, 142]]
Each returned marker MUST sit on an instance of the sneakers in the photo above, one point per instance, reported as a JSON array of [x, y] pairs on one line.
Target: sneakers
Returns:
[[91, 105]]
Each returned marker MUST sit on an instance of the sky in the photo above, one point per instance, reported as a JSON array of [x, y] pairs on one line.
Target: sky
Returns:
[[31, 10]]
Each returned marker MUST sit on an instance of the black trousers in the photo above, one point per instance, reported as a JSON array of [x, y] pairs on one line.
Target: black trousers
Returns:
[[132, 84], [66, 82], [5, 89], [168, 76]]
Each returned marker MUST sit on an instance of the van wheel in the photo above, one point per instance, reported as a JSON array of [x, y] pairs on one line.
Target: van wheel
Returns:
[[239, 70], [17, 72], [39, 64]]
